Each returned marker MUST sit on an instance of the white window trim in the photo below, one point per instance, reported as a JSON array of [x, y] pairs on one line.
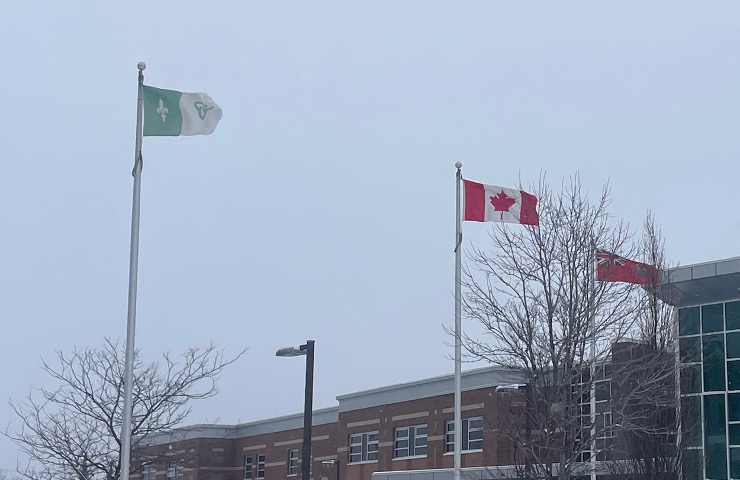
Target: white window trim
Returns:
[[409, 457], [408, 439], [297, 462], [366, 437], [145, 471], [362, 462], [462, 422], [465, 452], [175, 467]]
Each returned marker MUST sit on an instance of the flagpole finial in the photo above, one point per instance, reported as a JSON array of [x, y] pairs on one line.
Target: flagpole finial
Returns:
[[458, 165], [141, 66]]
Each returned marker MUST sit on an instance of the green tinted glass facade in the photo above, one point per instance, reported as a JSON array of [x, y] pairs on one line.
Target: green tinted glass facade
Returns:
[[709, 352], [732, 315], [715, 436], [688, 321], [735, 462], [713, 362]]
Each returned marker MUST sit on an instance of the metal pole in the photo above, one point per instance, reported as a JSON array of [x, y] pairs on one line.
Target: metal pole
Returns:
[[307, 412], [133, 273], [592, 332], [458, 327], [528, 431]]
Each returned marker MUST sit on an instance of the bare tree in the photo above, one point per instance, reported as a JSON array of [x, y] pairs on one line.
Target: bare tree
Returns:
[[645, 395], [535, 294], [73, 430], [5, 475], [656, 324]]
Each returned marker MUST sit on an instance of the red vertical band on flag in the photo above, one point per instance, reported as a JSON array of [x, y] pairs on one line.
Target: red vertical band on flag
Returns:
[[475, 201], [528, 213]]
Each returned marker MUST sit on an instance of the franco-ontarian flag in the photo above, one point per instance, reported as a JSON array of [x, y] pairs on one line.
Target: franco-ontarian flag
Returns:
[[172, 113]]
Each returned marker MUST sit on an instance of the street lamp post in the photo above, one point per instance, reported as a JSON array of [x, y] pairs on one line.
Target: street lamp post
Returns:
[[307, 350], [333, 462]]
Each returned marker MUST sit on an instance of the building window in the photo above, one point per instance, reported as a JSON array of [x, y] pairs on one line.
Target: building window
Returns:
[[174, 471], [363, 447], [713, 351], [603, 412], [149, 471], [248, 465], [472, 436], [688, 321], [293, 461], [715, 436], [602, 389], [410, 441], [261, 465], [732, 315], [594, 432]]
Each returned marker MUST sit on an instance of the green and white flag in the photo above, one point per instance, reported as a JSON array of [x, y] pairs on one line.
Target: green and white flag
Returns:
[[172, 113]]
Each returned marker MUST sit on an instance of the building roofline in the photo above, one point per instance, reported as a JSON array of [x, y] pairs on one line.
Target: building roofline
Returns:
[[701, 283], [439, 385], [709, 262], [424, 381], [489, 376], [292, 421]]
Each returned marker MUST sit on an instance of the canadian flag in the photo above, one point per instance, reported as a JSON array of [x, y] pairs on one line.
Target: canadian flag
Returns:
[[486, 203]]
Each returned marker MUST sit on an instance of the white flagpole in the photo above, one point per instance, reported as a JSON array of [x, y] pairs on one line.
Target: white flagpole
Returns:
[[133, 273], [458, 328]]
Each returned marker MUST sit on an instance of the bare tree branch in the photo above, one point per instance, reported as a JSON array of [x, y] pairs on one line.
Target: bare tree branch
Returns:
[[535, 295], [73, 431], [646, 400]]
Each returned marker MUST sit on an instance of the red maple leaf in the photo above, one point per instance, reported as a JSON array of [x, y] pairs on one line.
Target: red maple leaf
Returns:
[[502, 202]]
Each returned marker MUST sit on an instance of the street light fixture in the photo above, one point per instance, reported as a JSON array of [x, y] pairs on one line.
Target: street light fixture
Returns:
[[332, 462], [307, 350], [291, 351]]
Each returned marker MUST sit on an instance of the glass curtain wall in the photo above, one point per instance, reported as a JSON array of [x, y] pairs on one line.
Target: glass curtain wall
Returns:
[[709, 352]]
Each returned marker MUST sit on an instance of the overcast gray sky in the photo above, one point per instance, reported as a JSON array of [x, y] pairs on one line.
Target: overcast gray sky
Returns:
[[323, 205]]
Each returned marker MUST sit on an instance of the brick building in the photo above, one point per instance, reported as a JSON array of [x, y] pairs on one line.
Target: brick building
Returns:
[[407, 427], [399, 427]]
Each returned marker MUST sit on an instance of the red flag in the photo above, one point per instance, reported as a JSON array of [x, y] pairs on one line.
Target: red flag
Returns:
[[486, 203], [613, 268]]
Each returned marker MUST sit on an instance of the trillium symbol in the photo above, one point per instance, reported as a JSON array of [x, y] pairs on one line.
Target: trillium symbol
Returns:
[[202, 109]]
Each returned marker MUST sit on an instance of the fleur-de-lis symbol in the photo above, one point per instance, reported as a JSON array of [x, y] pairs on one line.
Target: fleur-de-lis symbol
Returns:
[[162, 110]]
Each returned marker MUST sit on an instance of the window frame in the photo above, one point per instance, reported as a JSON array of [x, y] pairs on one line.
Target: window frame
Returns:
[[175, 470], [466, 440], [412, 438], [149, 471], [292, 462], [368, 449], [261, 465], [248, 467]]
